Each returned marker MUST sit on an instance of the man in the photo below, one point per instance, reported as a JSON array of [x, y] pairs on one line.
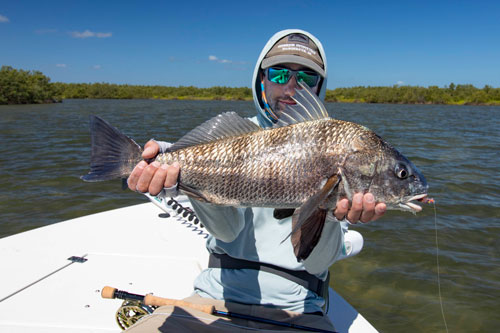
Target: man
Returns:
[[249, 263]]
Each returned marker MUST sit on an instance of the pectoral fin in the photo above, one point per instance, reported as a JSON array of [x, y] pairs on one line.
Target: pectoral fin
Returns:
[[305, 238], [309, 219], [311, 205]]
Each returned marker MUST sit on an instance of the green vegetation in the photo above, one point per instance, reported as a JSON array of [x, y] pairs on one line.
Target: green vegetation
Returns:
[[23, 87], [453, 94], [125, 91]]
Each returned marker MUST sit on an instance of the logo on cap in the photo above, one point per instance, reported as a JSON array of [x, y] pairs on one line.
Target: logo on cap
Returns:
[[297, 49]]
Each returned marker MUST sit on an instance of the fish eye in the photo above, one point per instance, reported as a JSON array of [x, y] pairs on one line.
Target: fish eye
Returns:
[[402, 171]]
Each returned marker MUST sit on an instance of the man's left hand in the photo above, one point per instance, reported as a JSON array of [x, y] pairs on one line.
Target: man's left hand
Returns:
[[363, 208]]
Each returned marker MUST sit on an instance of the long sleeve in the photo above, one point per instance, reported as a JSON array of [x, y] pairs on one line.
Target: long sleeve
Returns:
[[223, 222]]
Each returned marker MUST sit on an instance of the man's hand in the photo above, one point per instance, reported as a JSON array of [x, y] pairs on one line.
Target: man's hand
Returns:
[[152, 177], [363, 208]]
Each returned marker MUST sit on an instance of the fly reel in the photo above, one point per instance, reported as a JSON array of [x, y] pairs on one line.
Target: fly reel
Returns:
[[130, 312]]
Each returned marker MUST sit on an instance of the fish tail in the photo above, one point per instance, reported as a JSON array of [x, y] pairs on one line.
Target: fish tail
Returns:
[[114, 155]]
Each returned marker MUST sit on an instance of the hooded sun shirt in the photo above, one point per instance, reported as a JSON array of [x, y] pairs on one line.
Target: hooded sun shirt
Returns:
[[252, 233], [263, 119]]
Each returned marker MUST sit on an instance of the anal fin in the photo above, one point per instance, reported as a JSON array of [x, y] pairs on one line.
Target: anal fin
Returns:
[[192, 192]]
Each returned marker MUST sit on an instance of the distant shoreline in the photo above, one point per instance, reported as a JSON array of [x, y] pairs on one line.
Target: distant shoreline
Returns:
[[191, 98], [349, 101], [495, 103], [451, 95], [32, 87]]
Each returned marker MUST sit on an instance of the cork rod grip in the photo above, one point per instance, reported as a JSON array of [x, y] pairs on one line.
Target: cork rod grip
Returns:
[[159, 301], [110, 292]]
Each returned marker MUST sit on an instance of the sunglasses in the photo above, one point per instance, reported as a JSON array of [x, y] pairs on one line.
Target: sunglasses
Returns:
[[283, 75]]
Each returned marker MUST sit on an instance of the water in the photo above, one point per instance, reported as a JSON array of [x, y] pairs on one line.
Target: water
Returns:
[[392, 282]]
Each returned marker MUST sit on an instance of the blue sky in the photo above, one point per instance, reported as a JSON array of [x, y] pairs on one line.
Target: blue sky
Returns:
[[208, 43]]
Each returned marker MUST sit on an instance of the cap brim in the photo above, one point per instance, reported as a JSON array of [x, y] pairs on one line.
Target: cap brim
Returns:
[[293, 59]]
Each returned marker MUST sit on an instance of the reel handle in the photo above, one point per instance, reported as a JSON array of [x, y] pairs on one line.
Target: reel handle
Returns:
[[110, 293]]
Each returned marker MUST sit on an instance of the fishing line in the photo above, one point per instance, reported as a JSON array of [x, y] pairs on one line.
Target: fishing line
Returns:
[[437, 264]]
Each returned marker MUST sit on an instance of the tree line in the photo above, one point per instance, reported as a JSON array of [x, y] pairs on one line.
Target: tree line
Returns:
[[28, 87], [125, 91], [452, 94]]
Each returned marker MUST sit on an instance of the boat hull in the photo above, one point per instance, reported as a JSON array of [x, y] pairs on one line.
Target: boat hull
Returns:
[[136, 248]]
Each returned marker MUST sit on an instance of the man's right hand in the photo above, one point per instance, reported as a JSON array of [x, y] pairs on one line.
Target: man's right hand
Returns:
[[152, 177]]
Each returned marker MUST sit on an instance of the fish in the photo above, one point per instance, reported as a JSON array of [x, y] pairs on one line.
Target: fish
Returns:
[[305, 163]]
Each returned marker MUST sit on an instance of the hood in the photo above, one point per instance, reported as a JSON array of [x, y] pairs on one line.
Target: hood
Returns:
[[261, 116]]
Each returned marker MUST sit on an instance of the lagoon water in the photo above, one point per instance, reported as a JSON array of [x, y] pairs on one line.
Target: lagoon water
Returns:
[[392, 282]]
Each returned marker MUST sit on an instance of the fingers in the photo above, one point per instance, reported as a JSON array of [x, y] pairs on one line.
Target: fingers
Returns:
[[380, 210], [363, 208], [146, 177], [155, 184], [342, 209], [135, 175], [154, 177], [164, 176], [151, 149], [368, 210], [172, 175], [356, 208]]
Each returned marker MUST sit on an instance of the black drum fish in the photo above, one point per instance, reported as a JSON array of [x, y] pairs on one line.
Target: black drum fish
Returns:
[[307, 161]]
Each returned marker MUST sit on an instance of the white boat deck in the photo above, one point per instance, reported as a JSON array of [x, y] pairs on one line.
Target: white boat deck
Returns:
[[132, 249]]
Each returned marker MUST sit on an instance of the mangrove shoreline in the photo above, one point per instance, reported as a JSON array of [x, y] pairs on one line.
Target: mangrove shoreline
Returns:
[[31, 87]]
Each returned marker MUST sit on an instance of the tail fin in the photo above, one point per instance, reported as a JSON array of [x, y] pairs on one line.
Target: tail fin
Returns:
[[114, 154]]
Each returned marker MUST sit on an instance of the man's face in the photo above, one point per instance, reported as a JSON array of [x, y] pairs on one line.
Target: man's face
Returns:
[[279, 95]]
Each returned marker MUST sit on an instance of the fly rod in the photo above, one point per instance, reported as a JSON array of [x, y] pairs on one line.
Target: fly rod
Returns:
[[110, 293]]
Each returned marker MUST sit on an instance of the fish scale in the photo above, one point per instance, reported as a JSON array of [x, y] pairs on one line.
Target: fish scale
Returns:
[[258, 169]]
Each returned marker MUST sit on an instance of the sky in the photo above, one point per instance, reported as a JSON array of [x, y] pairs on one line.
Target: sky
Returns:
[[216, 43]]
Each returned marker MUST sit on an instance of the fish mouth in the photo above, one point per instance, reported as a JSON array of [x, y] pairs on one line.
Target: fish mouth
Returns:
[[411, 206]]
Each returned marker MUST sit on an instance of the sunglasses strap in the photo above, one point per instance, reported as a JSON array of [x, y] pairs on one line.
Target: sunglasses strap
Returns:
[[267, 109]]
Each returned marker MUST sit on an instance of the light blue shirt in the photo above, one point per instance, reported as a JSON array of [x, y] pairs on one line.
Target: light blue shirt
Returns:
[[254, 234]]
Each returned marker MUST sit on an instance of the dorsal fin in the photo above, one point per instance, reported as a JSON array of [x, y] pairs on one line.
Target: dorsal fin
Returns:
[[309, 107], [225, 125]]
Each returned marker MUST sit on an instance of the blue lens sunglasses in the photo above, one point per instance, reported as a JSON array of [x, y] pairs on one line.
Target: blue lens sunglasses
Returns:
[[283, 75]]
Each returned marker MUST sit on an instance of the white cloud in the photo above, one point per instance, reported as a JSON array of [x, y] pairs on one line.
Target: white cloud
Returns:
[[61, 65], [4, 19], [96, 67], [400, 83], [222, 61], [103, 34], [87, 33]]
